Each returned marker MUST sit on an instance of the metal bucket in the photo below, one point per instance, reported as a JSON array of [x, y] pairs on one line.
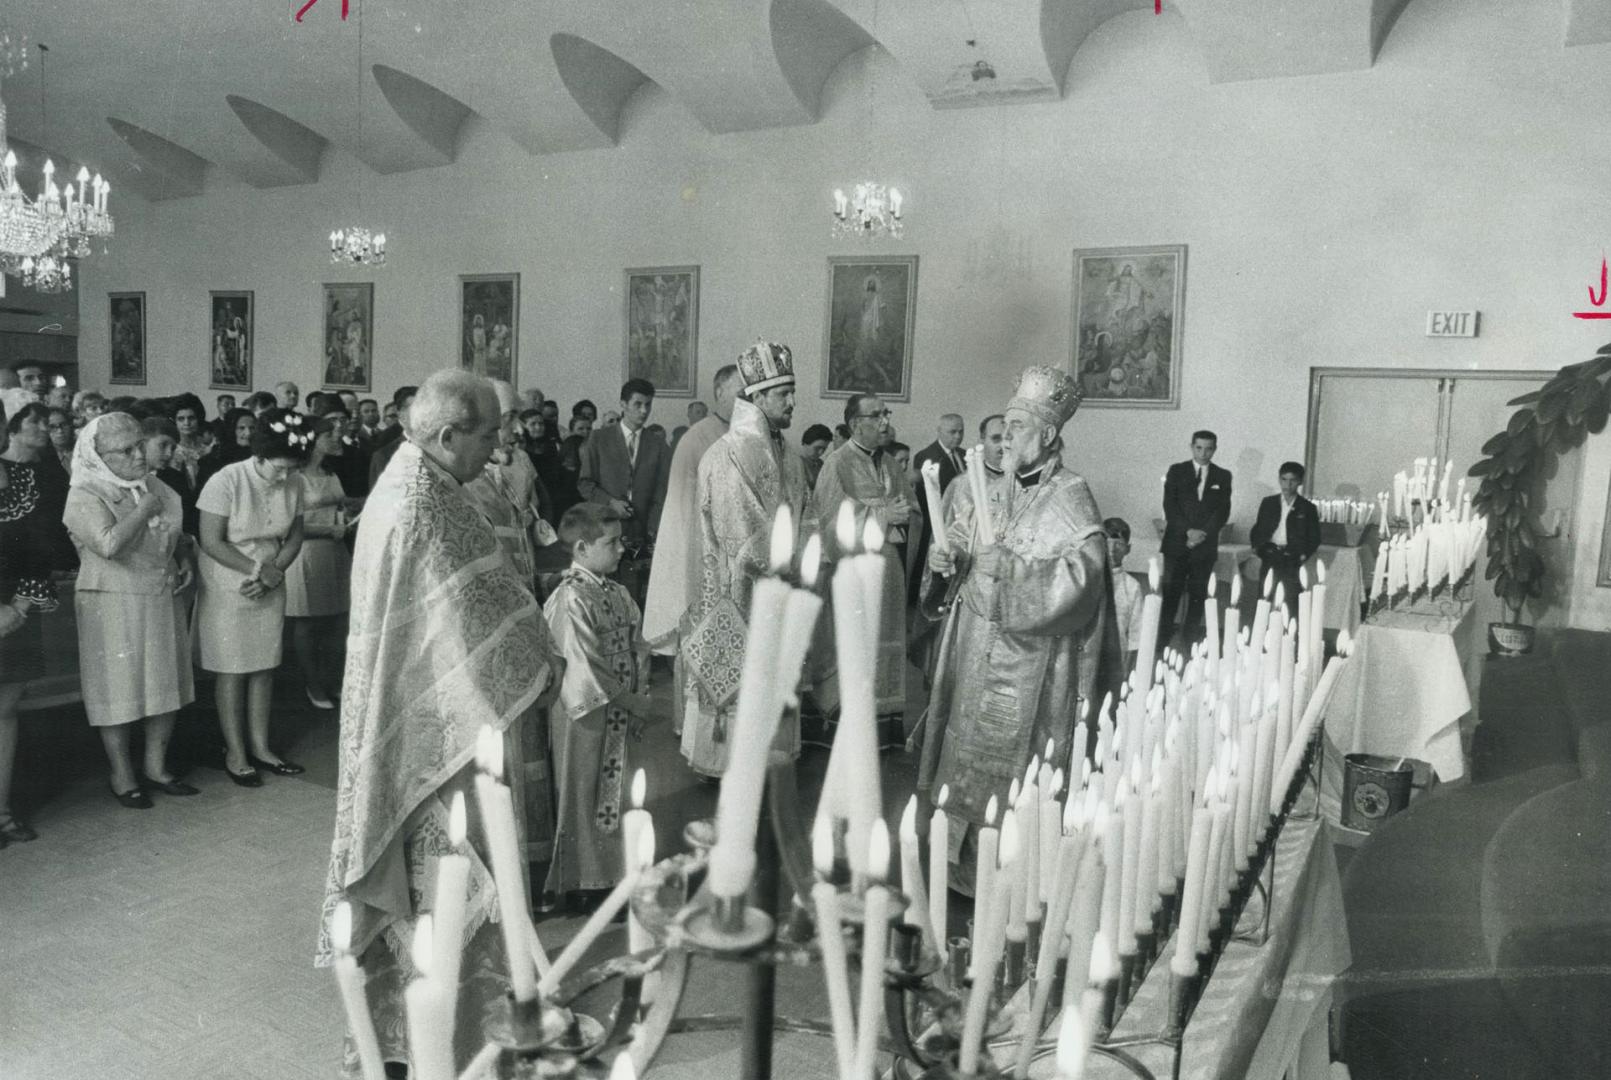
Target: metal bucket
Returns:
[[1374, 789]]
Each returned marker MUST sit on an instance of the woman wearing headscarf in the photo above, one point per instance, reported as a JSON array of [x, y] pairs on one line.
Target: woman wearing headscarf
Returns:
[[251, 530], [133, 636]]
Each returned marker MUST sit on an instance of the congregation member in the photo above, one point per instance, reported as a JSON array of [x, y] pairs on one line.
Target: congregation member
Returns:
[[1286, 533], [30, 387], [87, 405], [626, 468], [387, 443], [1127, 591], [675, 574], [1197, 504], [1030, 635], [369, 417], [133, 633], [390, 418], [743, 479], [235, 445], [287, 395], [261, 402], [863, 473], [543, 450], [946, 453], [31, 445], [587, 410], [59, 424], [190, 419], [349, 401], [161, 436], [813, 448], [603, 704], [251, 531], [445, 640], [60, 397], [316, 581], [223, 403], [550, 411]]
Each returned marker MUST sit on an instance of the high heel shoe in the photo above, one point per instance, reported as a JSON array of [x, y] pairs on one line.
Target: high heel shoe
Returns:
[[133, 799], [279, 768], [319, 699], [249, 778]]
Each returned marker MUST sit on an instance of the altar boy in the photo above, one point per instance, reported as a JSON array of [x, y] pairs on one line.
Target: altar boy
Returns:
[[602, 702]]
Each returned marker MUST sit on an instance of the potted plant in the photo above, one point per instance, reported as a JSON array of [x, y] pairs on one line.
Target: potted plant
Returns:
[[1555, 418]]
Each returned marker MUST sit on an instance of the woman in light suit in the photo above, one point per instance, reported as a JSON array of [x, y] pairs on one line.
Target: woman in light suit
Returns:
[[133, 637]]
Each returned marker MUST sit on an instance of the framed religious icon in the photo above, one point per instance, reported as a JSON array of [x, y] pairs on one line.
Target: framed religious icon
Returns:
[[1128, 306], [232, 341], [349, 335], [662, 328], [127, 322], [872, 307], [489, 324]]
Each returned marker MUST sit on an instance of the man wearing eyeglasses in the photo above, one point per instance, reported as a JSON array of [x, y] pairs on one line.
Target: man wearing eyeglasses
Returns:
[[861, 474]]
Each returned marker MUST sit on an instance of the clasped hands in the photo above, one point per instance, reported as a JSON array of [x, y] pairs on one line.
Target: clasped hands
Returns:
[[264, 582], [1195, 537]]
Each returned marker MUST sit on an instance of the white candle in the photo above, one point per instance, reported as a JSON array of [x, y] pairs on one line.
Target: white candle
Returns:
[[939, 870], [1213, 877], [1146, 877], [1311, 719], [984, 880], [931, 495], [1112, 839], [1090, 939], [984, 528], [760, 702], [875, 943], [1029, 815], [1196, 876], [917, 898], [638, 841], [1151, 617], [854, 758], [635, 821], [988, 948], [430, 1043], [1070, 851], [498, 819], [599, 921], [1050, 832], [1128, 901], [354, 999], [1073, 1045], [830, 935], [452, 894]]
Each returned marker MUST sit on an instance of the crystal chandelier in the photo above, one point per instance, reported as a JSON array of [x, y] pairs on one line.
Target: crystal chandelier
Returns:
[[872, 210], [358, 247]]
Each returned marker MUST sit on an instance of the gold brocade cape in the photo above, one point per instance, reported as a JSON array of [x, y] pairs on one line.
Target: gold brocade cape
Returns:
[[444, 639], [743, 479], [1026, 640]]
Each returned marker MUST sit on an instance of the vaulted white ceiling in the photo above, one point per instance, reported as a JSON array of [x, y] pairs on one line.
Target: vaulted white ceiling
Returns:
[[169, 96]]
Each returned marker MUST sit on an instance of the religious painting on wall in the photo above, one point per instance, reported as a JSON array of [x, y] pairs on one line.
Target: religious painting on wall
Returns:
[[233, 340], [349, 335], [489, 324], [1128, 304], [127, 323], [872, 307], [662, 328]]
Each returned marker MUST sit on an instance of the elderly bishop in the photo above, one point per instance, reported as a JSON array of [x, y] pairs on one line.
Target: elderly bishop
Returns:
[[1031, 630], [743, 479]]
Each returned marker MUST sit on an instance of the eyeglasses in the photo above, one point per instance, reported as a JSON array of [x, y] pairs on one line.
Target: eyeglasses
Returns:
[[884, 415]]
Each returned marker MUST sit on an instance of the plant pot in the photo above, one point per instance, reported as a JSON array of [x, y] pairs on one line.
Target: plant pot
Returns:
[[1509, 639]]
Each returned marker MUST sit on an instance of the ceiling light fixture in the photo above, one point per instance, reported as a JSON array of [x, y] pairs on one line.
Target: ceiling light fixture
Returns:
[[358, 245]]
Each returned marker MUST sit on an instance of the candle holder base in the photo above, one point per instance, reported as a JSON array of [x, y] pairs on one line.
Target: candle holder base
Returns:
[[728, 927]]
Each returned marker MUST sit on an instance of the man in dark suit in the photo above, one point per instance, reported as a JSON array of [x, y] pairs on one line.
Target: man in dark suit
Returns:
[[946, 452], [1286, 533], [1197, 503], [626, 467]]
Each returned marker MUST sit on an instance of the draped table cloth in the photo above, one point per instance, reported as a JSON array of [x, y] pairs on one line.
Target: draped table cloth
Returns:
[[1266, 1008]]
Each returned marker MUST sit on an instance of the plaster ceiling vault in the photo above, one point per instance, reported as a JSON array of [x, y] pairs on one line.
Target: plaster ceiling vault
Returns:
[[169, 97]]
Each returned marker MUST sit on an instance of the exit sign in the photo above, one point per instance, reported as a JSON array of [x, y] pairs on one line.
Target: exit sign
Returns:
[[1451, 324]]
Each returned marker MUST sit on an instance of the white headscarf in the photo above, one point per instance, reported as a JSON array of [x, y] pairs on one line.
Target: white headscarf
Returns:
[[88, 463]]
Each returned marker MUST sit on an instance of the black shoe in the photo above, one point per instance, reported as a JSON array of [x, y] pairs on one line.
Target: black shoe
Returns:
[[249, 778], [278, 768], [135, 799], [13, 831], [177, 788]]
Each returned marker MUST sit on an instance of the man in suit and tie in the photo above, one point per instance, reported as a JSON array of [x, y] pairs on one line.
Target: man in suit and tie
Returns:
[[945, 451], [1286, 533], [1197, 503], [626, 467]]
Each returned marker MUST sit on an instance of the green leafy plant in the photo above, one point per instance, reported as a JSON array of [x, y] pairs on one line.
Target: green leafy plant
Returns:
[[1553, 419]]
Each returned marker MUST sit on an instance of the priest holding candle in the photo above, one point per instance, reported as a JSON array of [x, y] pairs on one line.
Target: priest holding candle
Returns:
[[743, 479], [1287, 533], [1032, 628], [445, 640]]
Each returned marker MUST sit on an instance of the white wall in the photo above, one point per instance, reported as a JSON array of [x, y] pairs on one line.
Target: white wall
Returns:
[[1471, 168]]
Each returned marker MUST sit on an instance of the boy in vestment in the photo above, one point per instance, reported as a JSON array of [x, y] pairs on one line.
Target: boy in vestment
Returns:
[[602, 702]]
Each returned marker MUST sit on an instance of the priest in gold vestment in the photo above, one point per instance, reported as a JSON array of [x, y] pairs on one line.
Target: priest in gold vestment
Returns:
[[1030, 633], [743, 479]]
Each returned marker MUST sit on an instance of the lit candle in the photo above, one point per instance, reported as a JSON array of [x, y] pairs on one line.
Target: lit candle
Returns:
[[984, 880], [430, 1044], [1191, 916], [1070, 851], [622, 1068], [1311, 719], [931, 494], [498, 819], [1146, 880], [452, 894], [1151, 617], [1050, 832], [1029, 814], [1073, 1045], [853, 761], [1128, 901], [1112, 839], [875, 943], [1089, 933], [638, 843], [1285, 692], [1263, 765], [1246, 751], [939, 869], [350, 980], [831, 937], [1213, 870], [600, 920], [917, 898], [1211, 640], [987, 950], [984, 528]]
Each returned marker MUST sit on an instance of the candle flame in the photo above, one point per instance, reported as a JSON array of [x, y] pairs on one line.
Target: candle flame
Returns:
[[1155, 573], [990, 812], [623, 1069], [1303, 576], [1103, 967], [1031, 773], [422, 945], [811, 561], [1072, 1043], [1014, 789], [341, 927], [1281, 600], [1320, 572], [782, 539], [845, 527], [1269, 583], [822, 846], [1236, 590], [1007, 852], [1213, 584], [640, 788], [1345, 643], [944, 796], [1057, 783], [872, 536], [457, 826], [909, 821], [489, 752], [878, 850]]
